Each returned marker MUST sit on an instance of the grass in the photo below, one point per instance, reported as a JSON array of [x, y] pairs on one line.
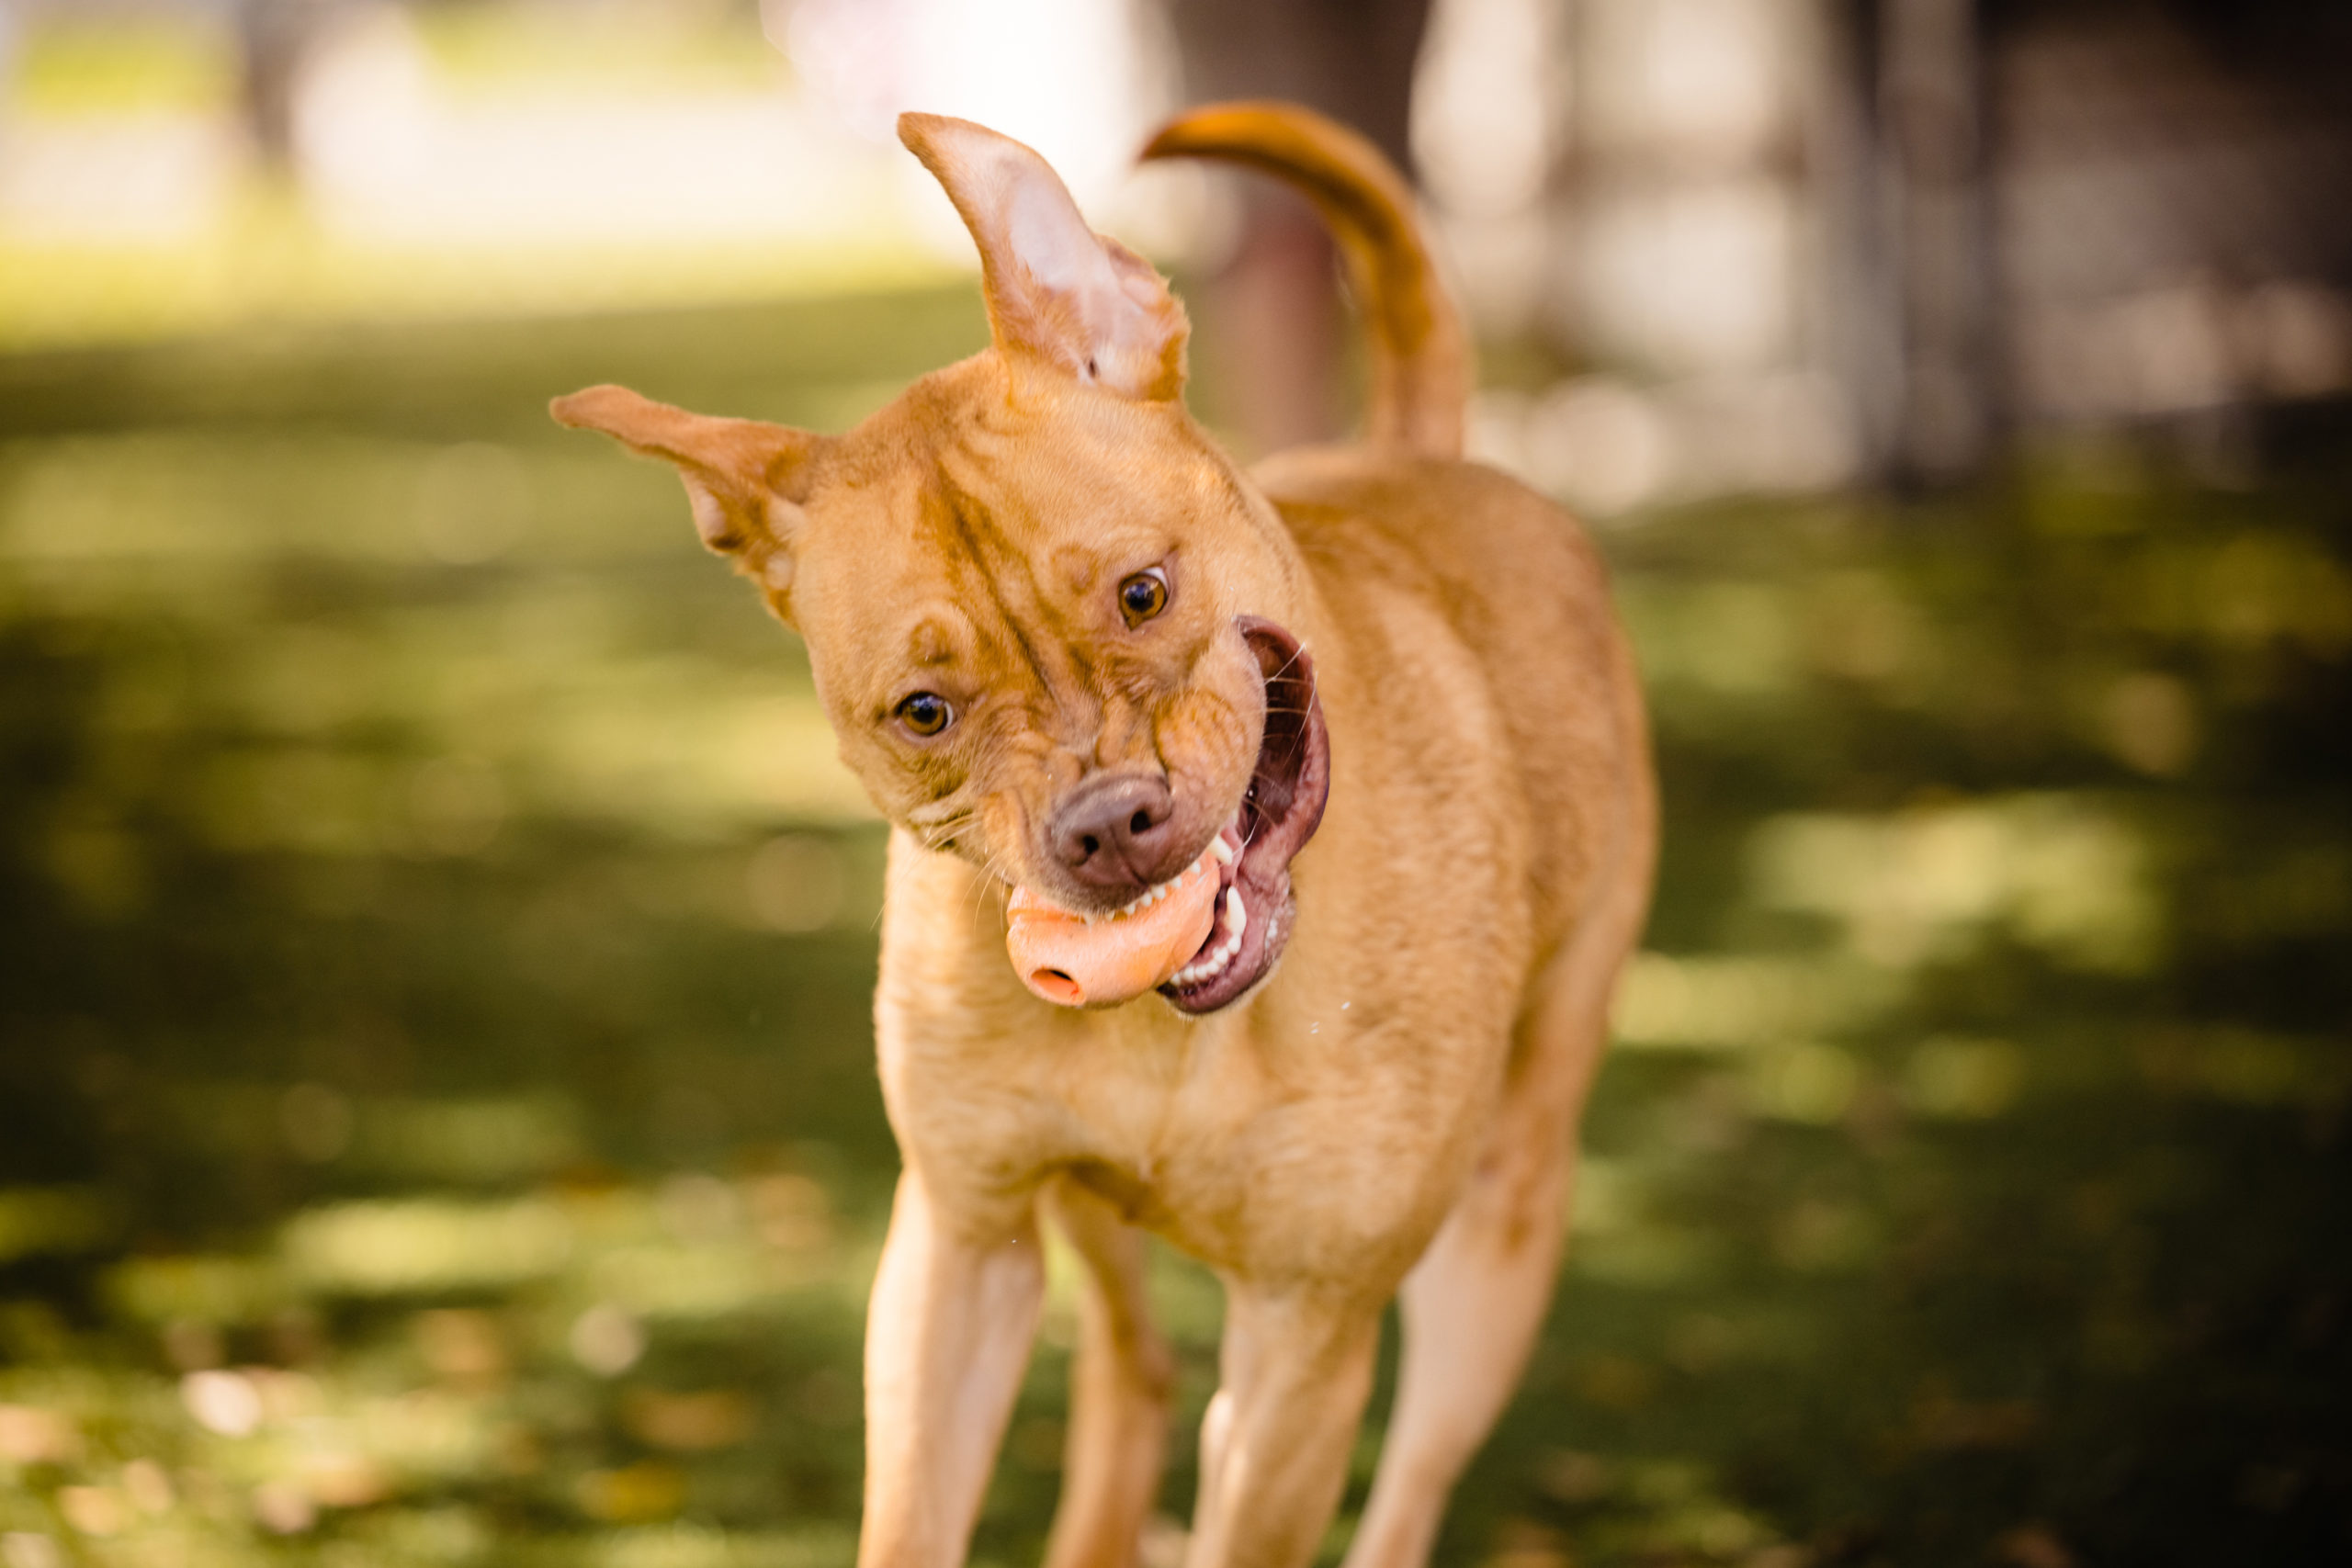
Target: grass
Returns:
[[437, 1115]]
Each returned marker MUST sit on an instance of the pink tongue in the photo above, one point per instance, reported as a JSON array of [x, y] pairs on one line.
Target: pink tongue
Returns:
[[1072, 964]]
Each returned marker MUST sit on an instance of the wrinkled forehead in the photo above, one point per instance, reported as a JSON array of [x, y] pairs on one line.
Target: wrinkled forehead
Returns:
[[920, 564]]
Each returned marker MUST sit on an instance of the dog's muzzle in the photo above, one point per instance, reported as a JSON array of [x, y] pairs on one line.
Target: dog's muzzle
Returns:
[[1279, 813], [1207, 924]]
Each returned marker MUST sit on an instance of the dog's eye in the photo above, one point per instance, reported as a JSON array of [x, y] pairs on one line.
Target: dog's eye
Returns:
[[1143, 595], [926, 713]]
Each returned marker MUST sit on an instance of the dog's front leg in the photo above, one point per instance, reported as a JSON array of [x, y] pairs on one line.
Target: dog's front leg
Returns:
[[1296, 1368], [1120, 1386], [954, 1308]]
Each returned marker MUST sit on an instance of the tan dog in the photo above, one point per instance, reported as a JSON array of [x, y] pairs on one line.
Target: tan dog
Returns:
[[1079, 658]]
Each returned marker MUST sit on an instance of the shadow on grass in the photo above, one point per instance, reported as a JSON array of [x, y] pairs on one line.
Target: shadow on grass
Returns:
[[436, 1111]]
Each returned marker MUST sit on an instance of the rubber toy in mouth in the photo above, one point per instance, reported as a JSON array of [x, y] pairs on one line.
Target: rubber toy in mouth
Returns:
[[1083, 961]]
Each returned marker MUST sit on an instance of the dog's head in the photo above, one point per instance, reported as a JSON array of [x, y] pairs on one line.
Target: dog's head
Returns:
[[1045, 614]]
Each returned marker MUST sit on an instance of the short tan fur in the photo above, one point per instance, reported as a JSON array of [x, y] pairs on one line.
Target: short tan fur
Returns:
[[1390, 1104]]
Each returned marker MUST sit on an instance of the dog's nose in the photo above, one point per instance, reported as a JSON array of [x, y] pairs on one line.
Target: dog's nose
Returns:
[[1116, 832]]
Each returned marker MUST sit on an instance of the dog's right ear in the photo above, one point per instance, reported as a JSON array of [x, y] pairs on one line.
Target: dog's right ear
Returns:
[[1057, 291], [745, 479]]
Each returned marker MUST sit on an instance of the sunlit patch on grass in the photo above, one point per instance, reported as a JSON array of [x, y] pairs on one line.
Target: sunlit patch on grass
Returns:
[[522, 48], [203, 1290], [135, 202], [692, 1545], [72, 66], [1735, 639], [485, 1140], [2063, 873], [354, 1448], [426, 1245], [1715, 1001], [179, 285]]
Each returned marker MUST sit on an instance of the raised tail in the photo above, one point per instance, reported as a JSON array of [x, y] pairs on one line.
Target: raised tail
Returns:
[[1421, 361]]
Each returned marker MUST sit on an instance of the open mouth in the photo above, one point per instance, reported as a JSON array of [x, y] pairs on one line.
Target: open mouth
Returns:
[[1279, 812], [1203, 937]]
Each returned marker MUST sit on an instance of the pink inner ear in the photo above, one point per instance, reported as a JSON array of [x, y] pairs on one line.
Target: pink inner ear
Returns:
[[1044, 231], [1137, 278], [1055, 289], [710, 517]]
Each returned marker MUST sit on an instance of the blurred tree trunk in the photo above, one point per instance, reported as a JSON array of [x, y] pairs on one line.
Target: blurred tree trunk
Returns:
[[1919, 249], [272, 37], [1270, 324]]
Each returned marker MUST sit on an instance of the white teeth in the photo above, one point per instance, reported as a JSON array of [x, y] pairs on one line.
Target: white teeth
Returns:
[[1209, 968], [1234, 918], [1150, 896]]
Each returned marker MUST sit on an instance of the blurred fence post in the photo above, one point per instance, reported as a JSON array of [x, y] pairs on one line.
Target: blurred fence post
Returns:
[[1271, 320], [1922, 359], [272, 36]]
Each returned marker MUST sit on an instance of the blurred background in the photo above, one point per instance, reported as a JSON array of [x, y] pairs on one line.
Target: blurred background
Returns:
[[438, 1123]]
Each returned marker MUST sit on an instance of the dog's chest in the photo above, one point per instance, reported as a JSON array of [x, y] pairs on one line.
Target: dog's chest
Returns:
[[1309, 1124], [1241, 1147]]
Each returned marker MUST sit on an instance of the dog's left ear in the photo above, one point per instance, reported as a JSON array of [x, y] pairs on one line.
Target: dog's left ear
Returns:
[[1055, 289], [745, 479]]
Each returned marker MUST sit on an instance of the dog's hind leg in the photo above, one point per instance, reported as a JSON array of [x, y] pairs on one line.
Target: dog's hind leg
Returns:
[[1473, 1304], [1120, 1388], [1296, 1369], [1471, 1309]]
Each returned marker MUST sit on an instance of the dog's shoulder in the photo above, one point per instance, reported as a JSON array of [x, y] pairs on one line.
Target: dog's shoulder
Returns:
[[1523, 588], [1472, 529]]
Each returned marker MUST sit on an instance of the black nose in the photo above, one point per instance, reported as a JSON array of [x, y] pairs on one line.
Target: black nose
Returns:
[[1115, 832]]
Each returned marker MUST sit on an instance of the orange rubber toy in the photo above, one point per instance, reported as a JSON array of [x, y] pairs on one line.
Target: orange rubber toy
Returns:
[[1075, 962]]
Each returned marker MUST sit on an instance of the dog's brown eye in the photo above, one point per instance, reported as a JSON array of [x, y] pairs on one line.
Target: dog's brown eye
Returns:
[[1143, 595], [926, 713]]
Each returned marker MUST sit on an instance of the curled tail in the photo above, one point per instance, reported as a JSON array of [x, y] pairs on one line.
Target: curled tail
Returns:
[[1421, 361]]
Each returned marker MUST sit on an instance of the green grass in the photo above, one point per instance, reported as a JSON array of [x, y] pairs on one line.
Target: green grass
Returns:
[[437, 1112]]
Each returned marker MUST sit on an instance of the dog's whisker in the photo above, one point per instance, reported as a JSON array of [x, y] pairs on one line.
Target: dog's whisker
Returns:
[[943, 833], [996, 868], [1290, 661]]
